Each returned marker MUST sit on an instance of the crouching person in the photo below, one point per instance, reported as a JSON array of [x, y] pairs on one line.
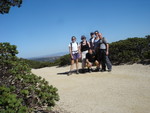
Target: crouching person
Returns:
[[91, 60]]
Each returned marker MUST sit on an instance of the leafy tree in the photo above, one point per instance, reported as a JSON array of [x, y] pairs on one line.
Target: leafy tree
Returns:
[[20, 86], [5, 5]]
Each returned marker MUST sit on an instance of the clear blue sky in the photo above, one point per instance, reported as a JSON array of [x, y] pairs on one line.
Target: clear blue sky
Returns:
[[43, 27]]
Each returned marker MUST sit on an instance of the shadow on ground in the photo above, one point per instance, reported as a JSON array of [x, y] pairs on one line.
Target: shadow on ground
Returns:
[[74, 72]]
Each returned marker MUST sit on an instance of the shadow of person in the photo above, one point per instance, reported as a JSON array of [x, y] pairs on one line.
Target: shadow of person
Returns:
[[66, 73], [73, 72]]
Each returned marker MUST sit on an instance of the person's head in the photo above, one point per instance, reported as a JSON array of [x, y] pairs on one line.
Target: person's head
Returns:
[[83, 38], [100, 35], [96, 33], [90, 50], [73, 38], [92, 34]]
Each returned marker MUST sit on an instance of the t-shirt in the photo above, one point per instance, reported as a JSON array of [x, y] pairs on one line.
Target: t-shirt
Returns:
[[74, 47], [90, 57], [103, 43]]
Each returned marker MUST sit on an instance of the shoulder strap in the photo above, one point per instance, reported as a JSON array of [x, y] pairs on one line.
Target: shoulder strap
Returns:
[[71, 46], [103, 40], [90, 39]]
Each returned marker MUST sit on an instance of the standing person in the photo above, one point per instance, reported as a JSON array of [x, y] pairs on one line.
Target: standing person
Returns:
[[74, 54], [96, 48], [90, 60], [104, 52], [92, 40], [84, 46]]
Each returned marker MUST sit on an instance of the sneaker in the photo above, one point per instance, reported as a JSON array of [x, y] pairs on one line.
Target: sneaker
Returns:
[[103, 70], [89, 70], [97, 69], [77, 72], [109, 70]]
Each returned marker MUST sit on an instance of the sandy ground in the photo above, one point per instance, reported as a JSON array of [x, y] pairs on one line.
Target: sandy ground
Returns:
[[124, 90]]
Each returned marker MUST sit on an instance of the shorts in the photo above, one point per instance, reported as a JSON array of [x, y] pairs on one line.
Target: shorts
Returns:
[[84, 54], [76, 56]]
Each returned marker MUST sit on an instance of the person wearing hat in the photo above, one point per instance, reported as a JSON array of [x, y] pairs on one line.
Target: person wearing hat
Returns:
[[84, 46]]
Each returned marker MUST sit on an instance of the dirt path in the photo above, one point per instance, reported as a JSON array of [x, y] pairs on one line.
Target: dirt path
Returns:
[[124, 90]]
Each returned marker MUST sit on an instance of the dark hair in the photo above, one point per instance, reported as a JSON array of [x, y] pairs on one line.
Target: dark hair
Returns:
[[96, 31], [83, 37], [91, 33], [73, 37]]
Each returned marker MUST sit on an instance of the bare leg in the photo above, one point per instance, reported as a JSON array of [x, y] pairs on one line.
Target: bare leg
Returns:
[[89, 65], [71, 67], [83, 63], [97, 65], [77, 66]]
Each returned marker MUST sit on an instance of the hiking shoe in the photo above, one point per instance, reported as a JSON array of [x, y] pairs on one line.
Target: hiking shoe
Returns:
[[97, 69], [69, 73], [103, 70], [89, 70], [109, 70]]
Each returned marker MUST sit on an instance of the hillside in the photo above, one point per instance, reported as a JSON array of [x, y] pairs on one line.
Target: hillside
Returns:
[[46, 59]]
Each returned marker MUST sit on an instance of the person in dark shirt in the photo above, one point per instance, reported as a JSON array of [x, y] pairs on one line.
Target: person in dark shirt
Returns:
[[84, 46], [91, 60]]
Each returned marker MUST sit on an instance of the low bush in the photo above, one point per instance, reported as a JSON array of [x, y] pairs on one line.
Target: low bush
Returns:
[[20, 90]]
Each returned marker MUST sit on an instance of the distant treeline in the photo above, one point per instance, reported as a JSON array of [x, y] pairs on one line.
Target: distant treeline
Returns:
[[61, 61], [131, 50]]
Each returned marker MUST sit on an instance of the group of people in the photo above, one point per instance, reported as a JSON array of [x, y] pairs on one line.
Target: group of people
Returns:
[[92, 52]]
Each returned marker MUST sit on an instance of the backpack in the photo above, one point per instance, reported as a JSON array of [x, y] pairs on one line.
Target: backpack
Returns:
[[103, 42]]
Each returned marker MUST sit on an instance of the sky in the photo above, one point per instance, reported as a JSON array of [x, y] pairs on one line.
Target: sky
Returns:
[[45, 27]]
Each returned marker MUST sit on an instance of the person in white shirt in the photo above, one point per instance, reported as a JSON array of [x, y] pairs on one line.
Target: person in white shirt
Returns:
[[74, 51]]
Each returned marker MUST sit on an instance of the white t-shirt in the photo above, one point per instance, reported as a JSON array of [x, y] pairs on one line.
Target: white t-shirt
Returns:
[[74, 47]]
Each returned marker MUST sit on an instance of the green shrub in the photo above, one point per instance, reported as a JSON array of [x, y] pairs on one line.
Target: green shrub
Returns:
[[29, 91], [64, 60], [130, 50], [147, 54], [9, 103]]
